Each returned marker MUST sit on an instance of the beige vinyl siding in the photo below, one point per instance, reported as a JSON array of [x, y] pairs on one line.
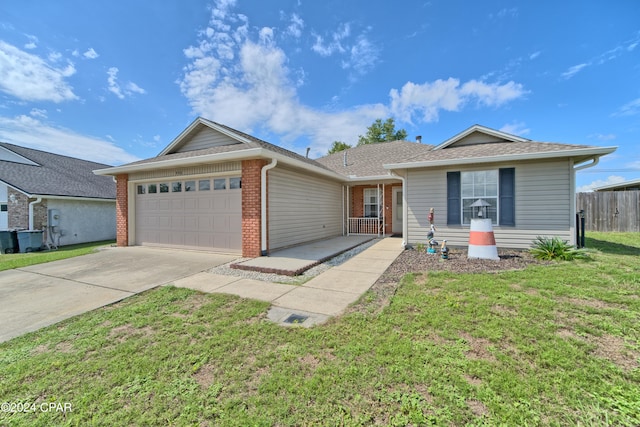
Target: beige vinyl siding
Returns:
[[302, 208], [475, 138], [542, 202], [206, 138]]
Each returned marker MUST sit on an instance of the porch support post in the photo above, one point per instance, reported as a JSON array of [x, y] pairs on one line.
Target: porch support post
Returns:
[[343, 223], [348, 211], [405, 209]]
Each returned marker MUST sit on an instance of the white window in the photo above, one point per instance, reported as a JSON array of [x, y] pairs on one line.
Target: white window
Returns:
[[371, 202], [220, 184], [480, 186]]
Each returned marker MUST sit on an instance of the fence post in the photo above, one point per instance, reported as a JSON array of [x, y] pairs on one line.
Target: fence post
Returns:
[[582, 228]]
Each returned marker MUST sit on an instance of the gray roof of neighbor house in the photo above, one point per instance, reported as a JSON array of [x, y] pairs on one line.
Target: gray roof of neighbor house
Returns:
[[55, 175], [367, 160], [620, 186]]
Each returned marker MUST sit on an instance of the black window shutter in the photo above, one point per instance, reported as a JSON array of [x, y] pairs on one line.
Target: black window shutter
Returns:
[[453, 198], [507, 196]]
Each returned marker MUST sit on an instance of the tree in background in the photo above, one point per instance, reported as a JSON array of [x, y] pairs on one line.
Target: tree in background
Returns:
[[380, 131], [338, 146]]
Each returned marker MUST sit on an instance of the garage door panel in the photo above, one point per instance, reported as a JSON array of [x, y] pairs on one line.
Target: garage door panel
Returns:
[[191, 223], [177, 223], [195, 219], [191, 204]]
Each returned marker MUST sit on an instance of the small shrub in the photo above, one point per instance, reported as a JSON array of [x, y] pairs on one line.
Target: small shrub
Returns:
[[554, 248], [420, 247]]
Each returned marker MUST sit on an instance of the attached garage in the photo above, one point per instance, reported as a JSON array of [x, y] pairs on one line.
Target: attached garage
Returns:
[[199, 213]]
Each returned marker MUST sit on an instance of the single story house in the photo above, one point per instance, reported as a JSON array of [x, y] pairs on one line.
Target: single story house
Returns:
[[58, 194], [633, 185], [220, 189]]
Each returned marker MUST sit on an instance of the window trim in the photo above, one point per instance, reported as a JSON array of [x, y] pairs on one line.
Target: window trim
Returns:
[[506, 197], [365, 204], [487, 198]]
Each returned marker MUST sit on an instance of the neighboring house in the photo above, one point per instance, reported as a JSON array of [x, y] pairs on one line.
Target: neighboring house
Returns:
[[633, 185], [58, 194], [220, 189]]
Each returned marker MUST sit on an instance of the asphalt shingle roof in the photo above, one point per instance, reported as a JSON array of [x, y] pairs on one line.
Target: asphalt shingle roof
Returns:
[[253, 142], [367, 160], [56, 175], [491, 149]]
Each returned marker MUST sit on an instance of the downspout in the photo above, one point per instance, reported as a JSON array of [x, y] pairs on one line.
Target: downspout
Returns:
[[405, 209], [35, 202], [594, 162], [263, 205]]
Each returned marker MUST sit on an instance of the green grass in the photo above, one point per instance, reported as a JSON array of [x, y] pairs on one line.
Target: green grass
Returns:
[[9, 261], [556, 344]]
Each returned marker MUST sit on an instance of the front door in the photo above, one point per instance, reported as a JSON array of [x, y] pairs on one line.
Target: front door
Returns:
[[396, 225]]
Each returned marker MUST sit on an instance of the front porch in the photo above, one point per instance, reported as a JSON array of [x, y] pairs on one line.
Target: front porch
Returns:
[[374, 209]]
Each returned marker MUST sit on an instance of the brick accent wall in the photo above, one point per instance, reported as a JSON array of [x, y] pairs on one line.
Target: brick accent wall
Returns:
[[122, 210], [18, 211], [251, 207]]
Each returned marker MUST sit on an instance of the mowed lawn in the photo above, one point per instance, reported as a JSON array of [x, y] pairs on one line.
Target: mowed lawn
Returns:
[[554, 344]]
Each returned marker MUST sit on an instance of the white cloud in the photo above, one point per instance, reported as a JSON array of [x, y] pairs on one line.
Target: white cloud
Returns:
[[295, 28], [534, 55], [629, 109], [90, 54], [516, 128], [428, 99], [603, 137], [29, 78], [613, 179], [33, 42], [335, 44], [572, 71], [38, 112], [114, 87], [31, 132], [54, 56], [240, 77], [512, 12], [363, 56]]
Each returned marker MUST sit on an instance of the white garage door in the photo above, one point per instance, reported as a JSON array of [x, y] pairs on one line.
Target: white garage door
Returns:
[[203, 213]]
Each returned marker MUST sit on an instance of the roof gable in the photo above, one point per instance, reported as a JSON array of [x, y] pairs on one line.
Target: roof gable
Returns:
[[202, 134], [478, 134], [6, 155]]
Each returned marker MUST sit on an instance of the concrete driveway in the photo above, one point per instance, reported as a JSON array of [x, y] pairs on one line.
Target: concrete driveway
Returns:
[[41, 295]]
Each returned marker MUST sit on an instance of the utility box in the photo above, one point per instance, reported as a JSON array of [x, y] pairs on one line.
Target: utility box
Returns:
[[54, 218], [8, 241], [29, 240]]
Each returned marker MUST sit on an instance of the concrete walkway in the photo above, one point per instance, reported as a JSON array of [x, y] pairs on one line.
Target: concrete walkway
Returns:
[[296, 260], [322, 297]]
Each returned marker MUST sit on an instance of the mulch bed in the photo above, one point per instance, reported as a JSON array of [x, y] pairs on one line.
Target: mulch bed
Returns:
[[419, 261]]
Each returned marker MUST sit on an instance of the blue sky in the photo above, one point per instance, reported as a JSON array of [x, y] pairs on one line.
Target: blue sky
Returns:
[[116, 81]]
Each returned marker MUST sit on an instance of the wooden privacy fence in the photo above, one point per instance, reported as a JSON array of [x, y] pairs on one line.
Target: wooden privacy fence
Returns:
[[610, 210]]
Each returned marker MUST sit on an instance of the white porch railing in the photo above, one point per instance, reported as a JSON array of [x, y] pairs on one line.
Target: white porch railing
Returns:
[[365, 226]]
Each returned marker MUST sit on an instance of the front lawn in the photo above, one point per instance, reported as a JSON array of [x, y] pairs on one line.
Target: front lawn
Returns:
[[9, 261], [555, 344]]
